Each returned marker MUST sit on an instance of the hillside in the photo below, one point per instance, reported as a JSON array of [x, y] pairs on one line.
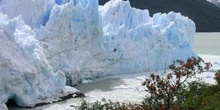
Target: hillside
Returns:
[[204, 14]]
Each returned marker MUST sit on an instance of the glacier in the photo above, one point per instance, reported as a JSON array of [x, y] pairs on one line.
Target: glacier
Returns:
[[34, 12], [26, 76], [48, 44], [71, 40], [135, 42]]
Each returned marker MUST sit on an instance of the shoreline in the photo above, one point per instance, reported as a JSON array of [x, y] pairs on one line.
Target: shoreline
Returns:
[[123, 88]]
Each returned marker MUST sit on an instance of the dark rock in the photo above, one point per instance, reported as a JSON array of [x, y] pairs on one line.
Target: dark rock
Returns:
[[78, 95], [74, 95]]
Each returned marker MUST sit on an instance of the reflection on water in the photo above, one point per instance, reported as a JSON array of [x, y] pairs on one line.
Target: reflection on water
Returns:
[[207, 43]]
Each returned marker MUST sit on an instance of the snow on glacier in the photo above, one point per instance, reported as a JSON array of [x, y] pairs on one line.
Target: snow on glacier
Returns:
[[54, 42]]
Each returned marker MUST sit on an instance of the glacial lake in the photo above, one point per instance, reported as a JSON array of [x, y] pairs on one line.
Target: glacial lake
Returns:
[[207, 43]]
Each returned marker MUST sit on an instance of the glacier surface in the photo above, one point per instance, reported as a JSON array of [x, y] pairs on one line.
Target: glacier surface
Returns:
[[46, 44]]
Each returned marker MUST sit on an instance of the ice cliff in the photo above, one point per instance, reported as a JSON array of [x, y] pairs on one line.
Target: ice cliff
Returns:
[[72, 39], [34, 12], [57, 42], [26, 75], [136, 42]]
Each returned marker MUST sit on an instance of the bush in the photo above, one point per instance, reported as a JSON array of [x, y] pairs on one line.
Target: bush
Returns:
[[202, 96], [217, 77], [211, 102], [192, 97], [210, 99], [109, 105], [164, 90]]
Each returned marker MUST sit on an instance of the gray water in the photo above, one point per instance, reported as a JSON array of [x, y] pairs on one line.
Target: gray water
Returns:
[[207, 43]]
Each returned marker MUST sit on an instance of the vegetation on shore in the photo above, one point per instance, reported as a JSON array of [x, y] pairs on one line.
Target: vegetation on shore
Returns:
[[171, 91]]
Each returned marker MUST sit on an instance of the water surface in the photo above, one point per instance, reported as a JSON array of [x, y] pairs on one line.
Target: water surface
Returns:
[[207, 43]]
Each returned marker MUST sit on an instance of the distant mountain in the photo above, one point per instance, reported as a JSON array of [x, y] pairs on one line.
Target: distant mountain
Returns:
[[205, 14], [216, 2]]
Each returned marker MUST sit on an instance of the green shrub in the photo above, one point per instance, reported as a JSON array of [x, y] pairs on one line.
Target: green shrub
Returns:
[[109, 105], [192, 97], [211, 102], [202, 96]]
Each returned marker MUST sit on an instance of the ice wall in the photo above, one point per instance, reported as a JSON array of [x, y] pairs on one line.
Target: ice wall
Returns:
[[34, 12], [71, 39], [26, 75], [136, 42]]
